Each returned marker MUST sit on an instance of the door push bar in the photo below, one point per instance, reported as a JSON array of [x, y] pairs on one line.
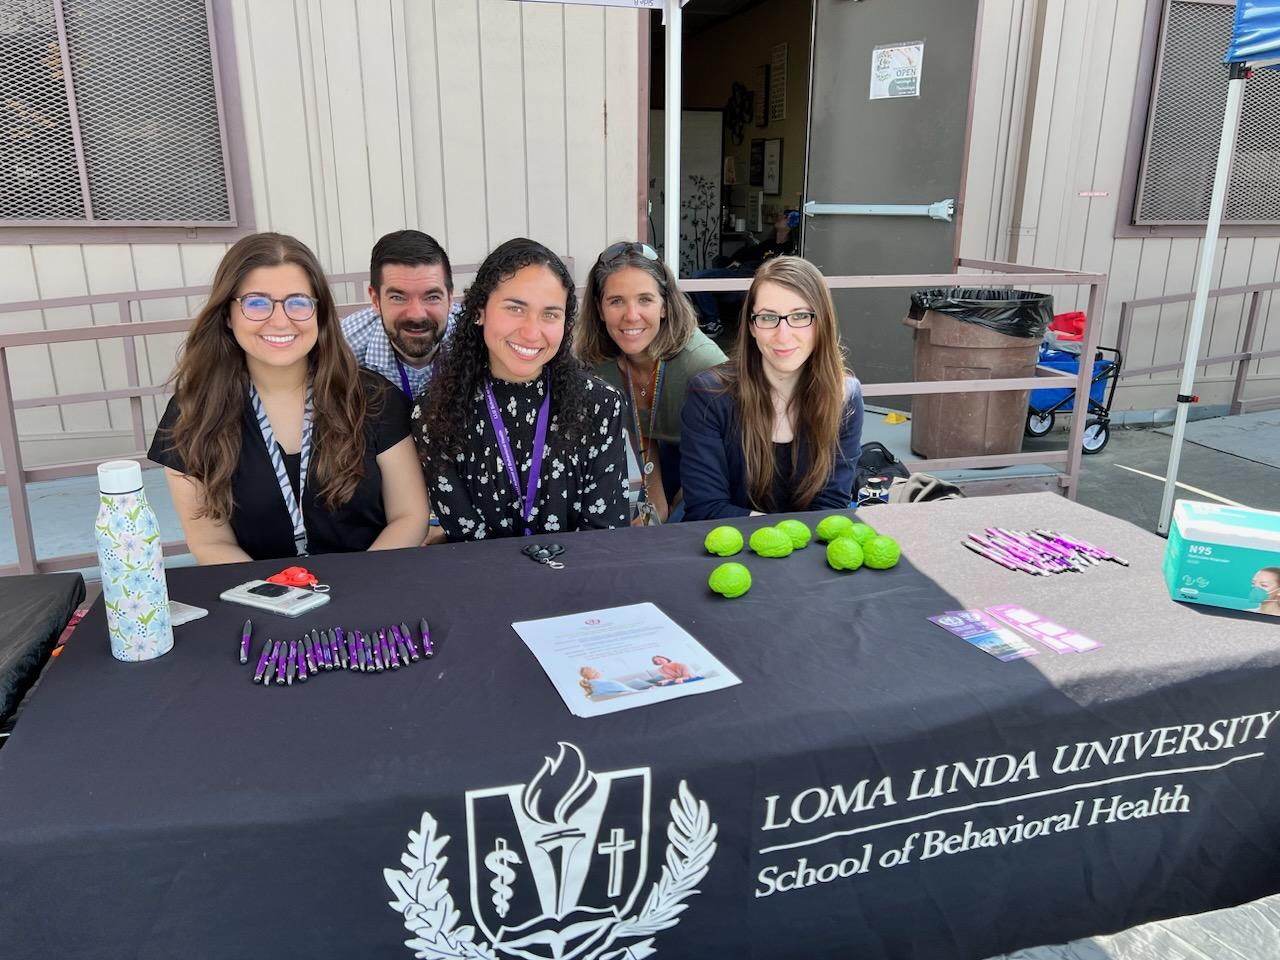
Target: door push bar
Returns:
[[942, 210]]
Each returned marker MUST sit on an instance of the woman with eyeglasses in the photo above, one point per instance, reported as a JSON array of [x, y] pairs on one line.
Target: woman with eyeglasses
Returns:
[[780, 429], [275, 444], [516, 436], [640, 334]]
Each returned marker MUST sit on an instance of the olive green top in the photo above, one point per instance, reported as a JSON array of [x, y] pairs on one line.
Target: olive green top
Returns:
[[700, 353]]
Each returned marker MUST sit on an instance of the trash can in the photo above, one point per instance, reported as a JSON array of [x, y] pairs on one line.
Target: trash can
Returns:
[[973, 334]]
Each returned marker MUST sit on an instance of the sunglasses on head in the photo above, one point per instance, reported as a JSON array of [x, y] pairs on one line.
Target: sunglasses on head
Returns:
[[627, 246]]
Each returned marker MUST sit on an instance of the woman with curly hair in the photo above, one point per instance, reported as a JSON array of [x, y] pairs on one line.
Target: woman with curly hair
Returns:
[[516, 437], [780, 429], [639, 334], [275, 444]]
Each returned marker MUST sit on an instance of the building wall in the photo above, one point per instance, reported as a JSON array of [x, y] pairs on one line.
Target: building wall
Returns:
[[474, 120], [1042, 138]]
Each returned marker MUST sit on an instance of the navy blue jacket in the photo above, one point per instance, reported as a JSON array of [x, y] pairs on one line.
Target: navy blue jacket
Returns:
[[713, 470]]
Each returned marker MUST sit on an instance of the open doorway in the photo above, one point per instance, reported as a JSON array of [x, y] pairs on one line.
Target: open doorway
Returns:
[[744, 134]]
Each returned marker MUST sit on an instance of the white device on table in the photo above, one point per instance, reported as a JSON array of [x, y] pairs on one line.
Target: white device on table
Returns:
[[180, 613], [275, 597]]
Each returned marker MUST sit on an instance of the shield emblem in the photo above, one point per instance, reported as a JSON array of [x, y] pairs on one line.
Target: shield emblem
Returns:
[[556, 862]]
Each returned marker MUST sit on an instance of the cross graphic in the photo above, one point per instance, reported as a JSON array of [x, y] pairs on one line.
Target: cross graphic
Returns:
[[616, 850]]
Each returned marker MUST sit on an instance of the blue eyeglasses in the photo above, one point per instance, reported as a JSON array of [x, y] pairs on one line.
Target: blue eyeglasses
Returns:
[[258, 307]]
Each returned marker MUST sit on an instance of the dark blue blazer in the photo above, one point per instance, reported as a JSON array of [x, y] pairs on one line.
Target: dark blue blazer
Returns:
[[713, 470]]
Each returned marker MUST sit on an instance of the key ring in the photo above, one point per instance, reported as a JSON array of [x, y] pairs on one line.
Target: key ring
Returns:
[[545, 554], [299, 577]]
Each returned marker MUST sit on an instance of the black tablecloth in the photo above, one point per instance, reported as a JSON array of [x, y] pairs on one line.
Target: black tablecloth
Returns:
[[871, 789], [33, 612]]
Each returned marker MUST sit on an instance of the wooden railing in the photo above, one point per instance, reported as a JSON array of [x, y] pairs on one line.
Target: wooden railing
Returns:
[[16, 476], [1244, 357]]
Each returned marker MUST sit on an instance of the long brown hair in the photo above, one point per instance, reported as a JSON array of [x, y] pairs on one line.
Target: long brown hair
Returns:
[[818, 403], [593, 344], [212, 383]]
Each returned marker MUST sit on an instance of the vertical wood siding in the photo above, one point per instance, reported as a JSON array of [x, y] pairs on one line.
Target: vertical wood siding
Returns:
[[1035, 151], [474, 120]]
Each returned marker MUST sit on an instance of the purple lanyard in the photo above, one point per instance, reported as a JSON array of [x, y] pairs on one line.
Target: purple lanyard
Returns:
[[404, 380], [508, 458]]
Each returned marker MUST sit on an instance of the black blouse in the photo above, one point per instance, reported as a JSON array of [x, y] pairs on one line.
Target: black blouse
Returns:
[[582, 487], [260, 520]]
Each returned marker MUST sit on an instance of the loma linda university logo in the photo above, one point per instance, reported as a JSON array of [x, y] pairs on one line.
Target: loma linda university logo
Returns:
[[556, 866]]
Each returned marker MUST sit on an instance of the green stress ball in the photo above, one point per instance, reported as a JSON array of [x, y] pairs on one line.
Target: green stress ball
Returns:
[[833, 526], [881, 552], [771, 542], [797, 531], [730, 580], [860, 532], [844, 553], [723, 541]]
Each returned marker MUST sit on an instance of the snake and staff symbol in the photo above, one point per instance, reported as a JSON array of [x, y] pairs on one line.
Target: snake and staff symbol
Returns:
[[499, 864]]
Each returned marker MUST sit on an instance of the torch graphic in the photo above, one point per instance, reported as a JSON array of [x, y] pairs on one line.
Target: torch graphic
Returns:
[[559, 791]]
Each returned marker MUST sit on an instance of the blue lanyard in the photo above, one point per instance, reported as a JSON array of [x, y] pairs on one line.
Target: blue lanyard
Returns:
[[508, 458]]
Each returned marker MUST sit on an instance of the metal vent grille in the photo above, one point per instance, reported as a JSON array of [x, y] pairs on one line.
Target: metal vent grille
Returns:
[[1185, 125], [151, 146], [38, 175]]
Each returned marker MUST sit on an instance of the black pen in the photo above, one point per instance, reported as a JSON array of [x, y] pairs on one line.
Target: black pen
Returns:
[[341, 641], [292, 668], [309, 653], [369, 648], [322, 650], [271, 663], [262, 662], [302, 663], [244, 641], [353, 658], [377, 655], [389, 656], [428, 648], [281, 663], [360, 661], [408, 638], [333, 649]]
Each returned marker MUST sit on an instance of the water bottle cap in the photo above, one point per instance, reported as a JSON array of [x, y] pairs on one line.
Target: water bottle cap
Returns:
[[119, 476]]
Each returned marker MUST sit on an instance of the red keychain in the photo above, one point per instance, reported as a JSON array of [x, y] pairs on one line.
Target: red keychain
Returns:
[[298, 577]]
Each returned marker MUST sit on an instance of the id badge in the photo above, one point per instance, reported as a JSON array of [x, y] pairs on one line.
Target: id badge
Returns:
[[649, 514]]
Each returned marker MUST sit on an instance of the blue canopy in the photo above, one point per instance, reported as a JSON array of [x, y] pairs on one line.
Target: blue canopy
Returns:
[[1257, 32]]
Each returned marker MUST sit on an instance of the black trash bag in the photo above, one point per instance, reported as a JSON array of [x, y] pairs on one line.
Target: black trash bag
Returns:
[[1015, 313]]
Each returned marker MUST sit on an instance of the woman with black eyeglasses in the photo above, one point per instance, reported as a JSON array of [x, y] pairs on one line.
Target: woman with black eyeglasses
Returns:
[[275, 444], [640, 334], [780, 429]]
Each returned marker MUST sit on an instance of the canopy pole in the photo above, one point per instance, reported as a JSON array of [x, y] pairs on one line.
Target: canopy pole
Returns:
[[671, 162], [1191, 355]]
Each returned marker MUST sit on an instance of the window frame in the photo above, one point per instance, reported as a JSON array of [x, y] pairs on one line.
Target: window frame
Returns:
[[1139, 121], [235, 153]]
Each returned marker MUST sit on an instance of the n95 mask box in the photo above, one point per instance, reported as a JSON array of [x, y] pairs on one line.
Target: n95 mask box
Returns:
[[1224, 556]]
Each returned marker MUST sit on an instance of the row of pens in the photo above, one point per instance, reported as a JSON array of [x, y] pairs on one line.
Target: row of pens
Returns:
[[321, 651], [1038, 552]]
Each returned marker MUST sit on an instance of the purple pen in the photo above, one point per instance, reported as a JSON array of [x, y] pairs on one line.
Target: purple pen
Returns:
[[292, 669], [341, 642], [990, 555], [360, 650], [408, 638], [389, 655], [353, 657], [259, 673], [378, 665], [322, 650], [302, 664], [309, 653], [398, 638], [282, 662], [272, 661], [1020, 560], [428, 648], [245, 634], [334, 658]]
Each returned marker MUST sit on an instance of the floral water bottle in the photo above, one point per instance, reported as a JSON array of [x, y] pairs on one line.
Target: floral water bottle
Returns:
[[132, 565]]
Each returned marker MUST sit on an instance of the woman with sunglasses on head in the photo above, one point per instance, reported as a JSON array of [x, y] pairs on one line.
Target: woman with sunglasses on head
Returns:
[[516, 436], [780, 429], [640, 334], [275, 444]]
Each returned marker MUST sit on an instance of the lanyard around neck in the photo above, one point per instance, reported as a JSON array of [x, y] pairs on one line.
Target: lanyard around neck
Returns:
[[642, 442], [291, 501], [508, 458], [404, 378]]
